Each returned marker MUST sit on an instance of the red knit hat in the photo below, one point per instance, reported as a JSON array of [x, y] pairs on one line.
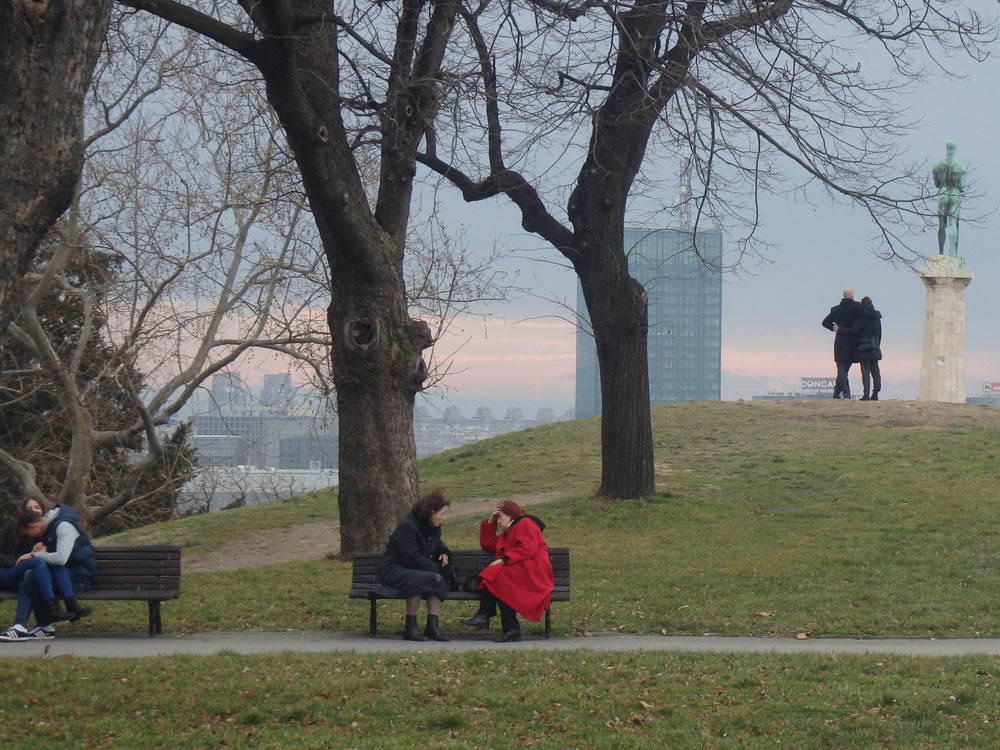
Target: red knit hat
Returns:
[[510, 508]]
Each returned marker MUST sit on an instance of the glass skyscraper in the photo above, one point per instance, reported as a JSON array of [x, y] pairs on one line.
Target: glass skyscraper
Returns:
[[682, 275]]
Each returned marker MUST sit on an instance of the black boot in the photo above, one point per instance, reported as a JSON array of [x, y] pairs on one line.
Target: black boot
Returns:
[[76, 612], [511, 627], [874, 396], [487, 608], [410, 631], [56, 613], [509, 636], [431, 631], [479, 620]]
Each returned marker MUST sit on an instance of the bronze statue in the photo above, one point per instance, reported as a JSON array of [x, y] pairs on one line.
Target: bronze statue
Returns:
[[949, 179]]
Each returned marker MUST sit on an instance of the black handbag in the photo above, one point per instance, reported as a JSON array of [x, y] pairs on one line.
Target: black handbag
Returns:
[[450, 575]]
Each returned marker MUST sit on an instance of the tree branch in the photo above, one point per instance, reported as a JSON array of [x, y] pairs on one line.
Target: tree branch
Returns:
[[182, 15]]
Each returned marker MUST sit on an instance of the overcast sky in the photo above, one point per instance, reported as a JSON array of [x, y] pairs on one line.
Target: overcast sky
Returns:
[[524, 355]]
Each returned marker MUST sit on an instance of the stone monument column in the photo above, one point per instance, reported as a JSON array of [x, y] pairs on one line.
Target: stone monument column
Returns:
[[942, 365]]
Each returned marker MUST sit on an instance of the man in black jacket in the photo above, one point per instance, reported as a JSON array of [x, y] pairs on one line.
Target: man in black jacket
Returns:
[[840, 320]]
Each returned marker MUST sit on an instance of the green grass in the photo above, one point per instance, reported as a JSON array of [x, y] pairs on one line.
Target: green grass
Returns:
[[770, 521], [201, 533], [501, 700], [562, 457]]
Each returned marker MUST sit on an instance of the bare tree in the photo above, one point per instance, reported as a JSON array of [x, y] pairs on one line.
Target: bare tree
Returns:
[[348, 90], [202, 221], [47, 53], [566, 103], [189, 184]]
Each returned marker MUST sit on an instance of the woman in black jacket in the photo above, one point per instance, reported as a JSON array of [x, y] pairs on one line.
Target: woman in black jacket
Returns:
[[13, 544], [414, 563], [867, 330]]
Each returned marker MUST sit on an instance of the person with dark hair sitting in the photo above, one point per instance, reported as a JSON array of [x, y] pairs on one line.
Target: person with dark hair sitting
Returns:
[[17, 565], [519, 580], [414, 563], [63, 548]]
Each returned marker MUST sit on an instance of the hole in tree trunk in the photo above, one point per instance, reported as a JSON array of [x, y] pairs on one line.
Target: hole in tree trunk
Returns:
[[361, 333]]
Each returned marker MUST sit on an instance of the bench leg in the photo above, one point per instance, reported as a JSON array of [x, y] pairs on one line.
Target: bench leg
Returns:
[[155, 626], [372, 618], [548, 623]]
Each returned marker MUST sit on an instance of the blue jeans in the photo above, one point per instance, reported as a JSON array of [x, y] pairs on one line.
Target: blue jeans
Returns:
[[36, 583], [65, 582]]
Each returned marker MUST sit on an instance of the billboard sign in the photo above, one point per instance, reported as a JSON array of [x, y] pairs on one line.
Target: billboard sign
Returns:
[[991, 387], [820, 385]]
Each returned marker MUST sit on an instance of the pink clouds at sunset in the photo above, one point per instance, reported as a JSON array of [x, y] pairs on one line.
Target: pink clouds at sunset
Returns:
[[777, 363], [528, 360]]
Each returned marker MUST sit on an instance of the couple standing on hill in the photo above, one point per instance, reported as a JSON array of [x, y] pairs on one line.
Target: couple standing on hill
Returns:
[[859, 337]]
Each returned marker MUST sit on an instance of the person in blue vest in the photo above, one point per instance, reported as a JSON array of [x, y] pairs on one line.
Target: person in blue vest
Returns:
[[16, 563], [64, 546]]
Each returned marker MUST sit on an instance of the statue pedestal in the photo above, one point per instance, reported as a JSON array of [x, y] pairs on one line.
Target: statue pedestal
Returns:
[[942, 365]]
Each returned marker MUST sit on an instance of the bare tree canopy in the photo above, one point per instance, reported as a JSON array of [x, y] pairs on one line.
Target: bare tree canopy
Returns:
[[563, 108], [194, 229], [559, 107], [351, 93]]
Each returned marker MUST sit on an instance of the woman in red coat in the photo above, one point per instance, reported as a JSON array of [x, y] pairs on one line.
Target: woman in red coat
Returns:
[[520, 577]]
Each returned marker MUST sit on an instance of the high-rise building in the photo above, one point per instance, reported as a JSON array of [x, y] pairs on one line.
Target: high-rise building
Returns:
[[228, 390], [277, 389], [681, 272]]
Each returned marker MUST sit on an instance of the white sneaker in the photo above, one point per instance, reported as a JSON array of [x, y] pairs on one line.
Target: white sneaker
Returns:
[[40, 633], [14, 633]]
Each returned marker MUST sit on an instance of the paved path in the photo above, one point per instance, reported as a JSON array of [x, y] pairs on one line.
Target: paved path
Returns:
[[134, 645]]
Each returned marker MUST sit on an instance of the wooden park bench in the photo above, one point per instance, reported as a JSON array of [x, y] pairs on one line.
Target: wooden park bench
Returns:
[[151, 574], [467, 562]]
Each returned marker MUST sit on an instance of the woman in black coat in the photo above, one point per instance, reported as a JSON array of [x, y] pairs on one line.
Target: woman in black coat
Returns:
[[414, 563], [867, 331]]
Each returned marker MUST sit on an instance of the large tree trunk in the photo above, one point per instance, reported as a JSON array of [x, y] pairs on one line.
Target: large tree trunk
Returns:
[[617, 306], [48, 49], [376, 351], [378, 369]]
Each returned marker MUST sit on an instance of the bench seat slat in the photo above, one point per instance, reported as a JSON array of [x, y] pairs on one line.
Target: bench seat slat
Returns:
[[365, 565]]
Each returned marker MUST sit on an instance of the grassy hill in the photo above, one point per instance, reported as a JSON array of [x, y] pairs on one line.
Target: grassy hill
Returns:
[[827, 518], [822, 517]]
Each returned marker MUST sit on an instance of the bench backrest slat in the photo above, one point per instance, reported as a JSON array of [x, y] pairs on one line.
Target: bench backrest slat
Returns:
[[148, 572], [156, 568]]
